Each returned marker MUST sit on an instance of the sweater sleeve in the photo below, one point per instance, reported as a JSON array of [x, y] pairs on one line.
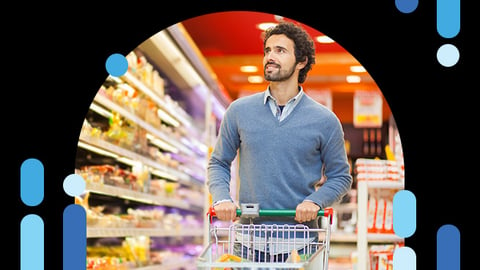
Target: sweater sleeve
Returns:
[[337, 169], [225, 151]]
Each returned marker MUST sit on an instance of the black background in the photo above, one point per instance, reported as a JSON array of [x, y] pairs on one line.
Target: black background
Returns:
[[54, 58]]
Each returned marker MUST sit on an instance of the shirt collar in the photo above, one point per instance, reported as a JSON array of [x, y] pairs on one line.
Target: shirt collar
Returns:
[[268, 94]]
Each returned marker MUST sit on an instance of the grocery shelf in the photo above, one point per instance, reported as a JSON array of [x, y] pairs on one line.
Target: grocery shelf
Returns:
[[175, 112], [388, 184], [383, 238], [178, 264], [93, 232], [343, 237], [345, 207], [115, 149], [104, 101], [176, 129], [363, 237], [143, 197]]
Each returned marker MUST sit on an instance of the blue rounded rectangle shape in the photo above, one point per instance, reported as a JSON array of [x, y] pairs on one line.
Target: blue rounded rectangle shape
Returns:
[[74, 237], [32, 182], [448, 248], [448, 18], [404, 213], [32, 242]]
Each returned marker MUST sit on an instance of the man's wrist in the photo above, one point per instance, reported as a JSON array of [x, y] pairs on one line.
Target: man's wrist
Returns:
[[221, 201], [307, 200]]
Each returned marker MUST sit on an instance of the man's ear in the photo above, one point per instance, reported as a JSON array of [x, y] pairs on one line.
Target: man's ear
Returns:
[[302, 64]]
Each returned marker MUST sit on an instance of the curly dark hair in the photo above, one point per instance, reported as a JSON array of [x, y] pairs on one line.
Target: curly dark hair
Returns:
[[304, 45]]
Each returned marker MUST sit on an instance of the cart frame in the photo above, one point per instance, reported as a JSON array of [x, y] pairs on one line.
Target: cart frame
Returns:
[[313, 244]]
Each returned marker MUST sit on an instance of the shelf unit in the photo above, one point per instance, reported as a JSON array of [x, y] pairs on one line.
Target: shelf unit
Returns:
[[143, 197], [363, 237], [181, 174], [189, 142]]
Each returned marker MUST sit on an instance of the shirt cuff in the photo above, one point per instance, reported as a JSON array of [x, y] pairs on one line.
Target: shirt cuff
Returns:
[[221, 201]]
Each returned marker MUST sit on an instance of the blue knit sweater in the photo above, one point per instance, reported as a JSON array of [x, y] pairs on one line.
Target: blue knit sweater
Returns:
[[280, 162]]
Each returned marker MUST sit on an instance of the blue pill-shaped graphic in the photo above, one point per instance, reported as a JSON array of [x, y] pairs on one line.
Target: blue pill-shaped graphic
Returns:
[[448, 248], [448, 18], [404, 258], [32, 243], [74, 237], [404, 213], [32, 182]]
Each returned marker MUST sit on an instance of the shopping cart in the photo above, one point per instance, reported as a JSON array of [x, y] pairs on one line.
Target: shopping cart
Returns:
[[307, 248]]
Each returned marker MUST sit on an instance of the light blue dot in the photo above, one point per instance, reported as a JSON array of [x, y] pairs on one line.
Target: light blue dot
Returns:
[[74, 185], [404, 258], [32, 182], [404, 213], [448, 55], [406, 6], [116, 65]]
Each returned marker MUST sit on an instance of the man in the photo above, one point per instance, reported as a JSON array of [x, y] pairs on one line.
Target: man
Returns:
[[283, 139]]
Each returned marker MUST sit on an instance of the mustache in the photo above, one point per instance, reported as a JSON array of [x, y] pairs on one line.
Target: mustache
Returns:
[[271, 63]]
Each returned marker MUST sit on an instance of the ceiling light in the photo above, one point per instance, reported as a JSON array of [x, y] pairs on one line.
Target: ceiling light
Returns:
[[357, 69], [264, 26], [324, 39], [255, 79], [353, 79], [248, 69]]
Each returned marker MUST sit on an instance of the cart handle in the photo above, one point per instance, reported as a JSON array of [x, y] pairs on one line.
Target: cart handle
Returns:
[[326, 212]]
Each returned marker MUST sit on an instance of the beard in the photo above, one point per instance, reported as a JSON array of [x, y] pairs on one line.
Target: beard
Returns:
[[278, 75]]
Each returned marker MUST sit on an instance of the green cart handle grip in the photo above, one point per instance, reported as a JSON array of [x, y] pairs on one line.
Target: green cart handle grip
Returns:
[[326, 212]]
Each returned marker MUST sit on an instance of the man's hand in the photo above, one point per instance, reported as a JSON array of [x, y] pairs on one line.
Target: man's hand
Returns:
[[306, 211], [226, 211]]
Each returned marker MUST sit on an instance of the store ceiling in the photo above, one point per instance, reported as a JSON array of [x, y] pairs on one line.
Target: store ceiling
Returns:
[[230, 39]]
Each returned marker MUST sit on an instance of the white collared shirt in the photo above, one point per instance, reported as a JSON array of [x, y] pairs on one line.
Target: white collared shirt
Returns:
[[272, 102]]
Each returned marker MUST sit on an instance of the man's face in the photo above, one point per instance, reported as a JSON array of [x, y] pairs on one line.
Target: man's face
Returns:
[[279, 58]]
